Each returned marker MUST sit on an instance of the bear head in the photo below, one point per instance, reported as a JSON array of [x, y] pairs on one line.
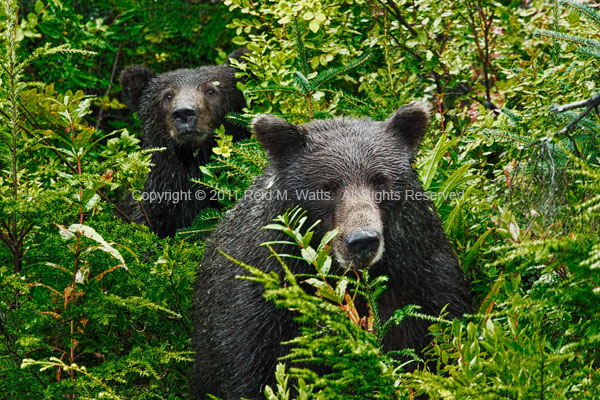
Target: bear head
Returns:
[[182, 108], [351, 174]]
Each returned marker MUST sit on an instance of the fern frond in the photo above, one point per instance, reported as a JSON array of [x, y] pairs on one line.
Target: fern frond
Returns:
[[139, 304], [353, 100], [567, 38], [300, 48], [593, 260], [204, 223], [46, 50], [590, 51], [584, 10], [239, 120], [274, 89], [507, 136], [303, 83], [585, 124], [512, 117], [330, 73]]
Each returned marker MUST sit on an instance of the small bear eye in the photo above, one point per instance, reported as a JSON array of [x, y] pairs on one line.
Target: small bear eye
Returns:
[[380, 182], [168, 96], [328, 187], [210, 92]]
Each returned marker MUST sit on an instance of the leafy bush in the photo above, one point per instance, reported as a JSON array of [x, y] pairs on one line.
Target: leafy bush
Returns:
[[93, 307]]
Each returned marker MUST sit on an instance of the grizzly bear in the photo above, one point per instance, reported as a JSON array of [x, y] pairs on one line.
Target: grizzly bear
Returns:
[[179, 110], [352, 164]]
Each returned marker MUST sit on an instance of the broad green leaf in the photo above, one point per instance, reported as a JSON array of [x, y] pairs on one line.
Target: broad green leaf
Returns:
[[91, 233], [39, 7], [429, 166]]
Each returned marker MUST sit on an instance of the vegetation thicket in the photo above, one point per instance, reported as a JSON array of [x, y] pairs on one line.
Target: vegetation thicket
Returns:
[[94, 307]]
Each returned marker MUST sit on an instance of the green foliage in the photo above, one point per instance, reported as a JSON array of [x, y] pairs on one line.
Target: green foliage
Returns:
[[231, 172], [312, 88], [91, 307], [505, 355], [335, 340], [227, 176], [114, 330], [72, 321], [290, 43]]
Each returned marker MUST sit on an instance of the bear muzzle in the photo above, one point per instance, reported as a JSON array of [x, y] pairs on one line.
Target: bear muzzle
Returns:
[[363, 247], [359, 243], [189, 124], [185, 118], [362, 242]]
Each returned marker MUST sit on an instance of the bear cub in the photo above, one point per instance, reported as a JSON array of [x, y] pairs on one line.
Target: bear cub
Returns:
[[179, 110], [369, 190]]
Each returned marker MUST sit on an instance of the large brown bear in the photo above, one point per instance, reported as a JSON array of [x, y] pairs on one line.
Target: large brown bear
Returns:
[[364, 184], [179, 110]]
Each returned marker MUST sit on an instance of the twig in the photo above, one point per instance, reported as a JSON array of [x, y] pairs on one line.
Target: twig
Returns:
[[110, 83], [396, 12], [589, 104], [145, 215]]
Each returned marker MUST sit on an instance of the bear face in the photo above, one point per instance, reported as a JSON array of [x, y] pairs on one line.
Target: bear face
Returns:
[[179, 111], [348, 180], [182, 108]]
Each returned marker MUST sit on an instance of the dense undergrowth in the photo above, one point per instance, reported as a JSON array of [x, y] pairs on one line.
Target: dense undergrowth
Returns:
[[93, 307]]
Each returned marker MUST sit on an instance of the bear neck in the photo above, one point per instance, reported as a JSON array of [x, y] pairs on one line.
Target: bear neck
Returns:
[[174, 167], [180, 154]]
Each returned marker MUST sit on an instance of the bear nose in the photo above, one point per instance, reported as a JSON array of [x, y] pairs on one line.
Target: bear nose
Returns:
[[362, 242], [184, 113]]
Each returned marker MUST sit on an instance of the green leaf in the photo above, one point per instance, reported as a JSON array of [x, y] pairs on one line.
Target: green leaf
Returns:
[[340, 290], [326, 266], [276, 227], [430, 164], [39, 7], [452, 183], [239, 40], [306, 238], [91, 233], [328, 237], [314, 26], [309, 255]]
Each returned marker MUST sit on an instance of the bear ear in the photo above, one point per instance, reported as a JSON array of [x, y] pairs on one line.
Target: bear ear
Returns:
[[135, 80], [409, 124], [280, 138], [236, 55]]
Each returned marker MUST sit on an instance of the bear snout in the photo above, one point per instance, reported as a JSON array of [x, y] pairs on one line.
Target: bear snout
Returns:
[[359, 243], [184, 117], [363, 242], [362, 248]]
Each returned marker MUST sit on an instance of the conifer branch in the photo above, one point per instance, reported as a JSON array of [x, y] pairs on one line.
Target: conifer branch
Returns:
[[583, 10], [567, 38]]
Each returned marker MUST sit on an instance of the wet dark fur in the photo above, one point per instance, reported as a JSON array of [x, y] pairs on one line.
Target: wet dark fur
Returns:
[[175, 166], [237, 333]]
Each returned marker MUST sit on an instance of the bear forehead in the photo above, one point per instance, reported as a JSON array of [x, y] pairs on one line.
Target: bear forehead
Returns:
[[347, 146], [342, 135], [195, 77]]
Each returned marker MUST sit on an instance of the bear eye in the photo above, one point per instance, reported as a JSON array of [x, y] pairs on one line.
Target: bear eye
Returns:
[[329, 187], [168, 96], [210, 92], [380, 182]]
